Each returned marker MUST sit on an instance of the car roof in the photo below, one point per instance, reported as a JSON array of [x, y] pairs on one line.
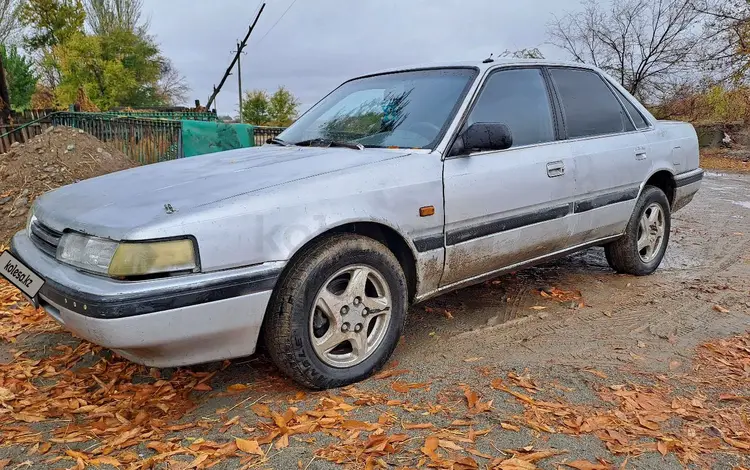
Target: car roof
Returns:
[[479, 64]]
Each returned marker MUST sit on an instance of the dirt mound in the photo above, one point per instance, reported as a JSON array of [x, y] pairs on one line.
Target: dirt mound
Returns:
[[60, 156]]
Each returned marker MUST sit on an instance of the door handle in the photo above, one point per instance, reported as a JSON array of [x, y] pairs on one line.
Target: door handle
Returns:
[[640, 153], [555, 169]]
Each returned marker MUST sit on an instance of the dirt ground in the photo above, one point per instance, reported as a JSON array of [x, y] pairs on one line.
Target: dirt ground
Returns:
[[59, 156], [601, 371]]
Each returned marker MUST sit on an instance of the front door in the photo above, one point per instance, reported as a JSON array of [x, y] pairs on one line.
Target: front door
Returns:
[[506, 207]]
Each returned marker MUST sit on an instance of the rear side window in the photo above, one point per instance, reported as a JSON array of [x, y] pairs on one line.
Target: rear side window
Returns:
[[589, 106], [638, 119], [517, 98]]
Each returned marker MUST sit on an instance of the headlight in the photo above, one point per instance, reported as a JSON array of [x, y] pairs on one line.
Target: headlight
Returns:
[[126, 259], [29, 219], [88, 253], [140, 259]]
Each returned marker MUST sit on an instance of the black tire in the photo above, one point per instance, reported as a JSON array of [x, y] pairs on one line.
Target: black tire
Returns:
[[622, 254], [287, 323]]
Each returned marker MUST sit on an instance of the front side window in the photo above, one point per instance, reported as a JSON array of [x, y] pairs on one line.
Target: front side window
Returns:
[[405, 109], [517, 98], [589, 107]]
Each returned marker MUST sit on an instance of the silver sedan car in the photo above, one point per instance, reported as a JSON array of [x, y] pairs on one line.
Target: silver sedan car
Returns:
[[394, 188]]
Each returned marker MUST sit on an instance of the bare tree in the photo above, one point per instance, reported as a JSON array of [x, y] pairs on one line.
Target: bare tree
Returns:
[[9, 25], [172, 86], [727, 27], [105, 16], [533, 53], [642, 43]]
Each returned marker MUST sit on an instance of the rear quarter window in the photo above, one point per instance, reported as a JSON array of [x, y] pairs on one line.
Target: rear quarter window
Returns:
[[638, 119]]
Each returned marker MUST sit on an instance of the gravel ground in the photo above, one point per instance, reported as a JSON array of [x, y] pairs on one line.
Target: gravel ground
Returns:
[[629, 334]]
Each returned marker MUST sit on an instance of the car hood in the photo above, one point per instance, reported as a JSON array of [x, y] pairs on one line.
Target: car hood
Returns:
[[113, 205]]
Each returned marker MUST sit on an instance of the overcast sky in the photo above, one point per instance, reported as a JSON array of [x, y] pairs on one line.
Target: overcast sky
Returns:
[[318, 44]]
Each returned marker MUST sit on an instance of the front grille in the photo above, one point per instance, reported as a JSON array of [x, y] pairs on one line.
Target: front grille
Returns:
[[44, 237]]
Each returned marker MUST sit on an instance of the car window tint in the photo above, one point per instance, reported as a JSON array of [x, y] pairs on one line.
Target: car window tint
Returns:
[[640, 121], [517, 98], [589, 106]]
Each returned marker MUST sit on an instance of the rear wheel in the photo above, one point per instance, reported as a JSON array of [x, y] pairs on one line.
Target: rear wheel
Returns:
[[641, 250], [337, 313]]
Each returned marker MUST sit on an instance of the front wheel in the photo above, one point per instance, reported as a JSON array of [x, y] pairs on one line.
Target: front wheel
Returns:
[[337, 313], [642, 247]]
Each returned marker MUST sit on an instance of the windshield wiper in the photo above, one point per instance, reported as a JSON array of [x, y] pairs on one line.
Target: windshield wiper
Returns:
[[331, 143], [278, 141]]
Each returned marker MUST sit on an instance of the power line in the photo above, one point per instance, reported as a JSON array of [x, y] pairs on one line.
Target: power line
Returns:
[[277, 21], [240, 47]]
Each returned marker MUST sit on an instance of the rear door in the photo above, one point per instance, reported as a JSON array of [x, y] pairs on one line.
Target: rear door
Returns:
[[611, 155], [505, 207]]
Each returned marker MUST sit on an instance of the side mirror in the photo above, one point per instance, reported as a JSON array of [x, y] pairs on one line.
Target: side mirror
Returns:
[[482, 137]]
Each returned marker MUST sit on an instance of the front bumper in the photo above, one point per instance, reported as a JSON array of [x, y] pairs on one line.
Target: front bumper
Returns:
[[164, 322]]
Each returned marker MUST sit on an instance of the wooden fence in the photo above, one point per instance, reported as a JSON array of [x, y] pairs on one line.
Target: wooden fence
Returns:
[[19, 130]]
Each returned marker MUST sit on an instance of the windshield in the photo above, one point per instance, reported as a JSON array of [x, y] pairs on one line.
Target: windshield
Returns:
[[404, 109]]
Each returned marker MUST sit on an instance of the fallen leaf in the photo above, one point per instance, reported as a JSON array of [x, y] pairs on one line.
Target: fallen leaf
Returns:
[[199, 459], [407, 426], [282, 443], [403, 387], [27, 418], [726, 396], [445, 444], [261, 410], [251, 447], [648, 424], [737, 444], [237, 388], [721, 309], [515, 464], [661, 446], [389, 373], [430, 446], [105, 460], [4, 463], [203, 388], [586, 465], [540, 455], [509, 427], [597, 373], [359, 425], [471, 397]]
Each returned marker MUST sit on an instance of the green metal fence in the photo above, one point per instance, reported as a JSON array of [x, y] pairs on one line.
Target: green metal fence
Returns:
[[171, 115], [149, 140]]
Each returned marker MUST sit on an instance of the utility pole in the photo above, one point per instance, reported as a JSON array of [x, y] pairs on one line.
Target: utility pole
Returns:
[[239, 81], [240, 47]]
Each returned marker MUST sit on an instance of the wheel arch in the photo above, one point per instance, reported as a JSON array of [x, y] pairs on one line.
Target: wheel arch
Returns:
[[398, 244], [664, 180]]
